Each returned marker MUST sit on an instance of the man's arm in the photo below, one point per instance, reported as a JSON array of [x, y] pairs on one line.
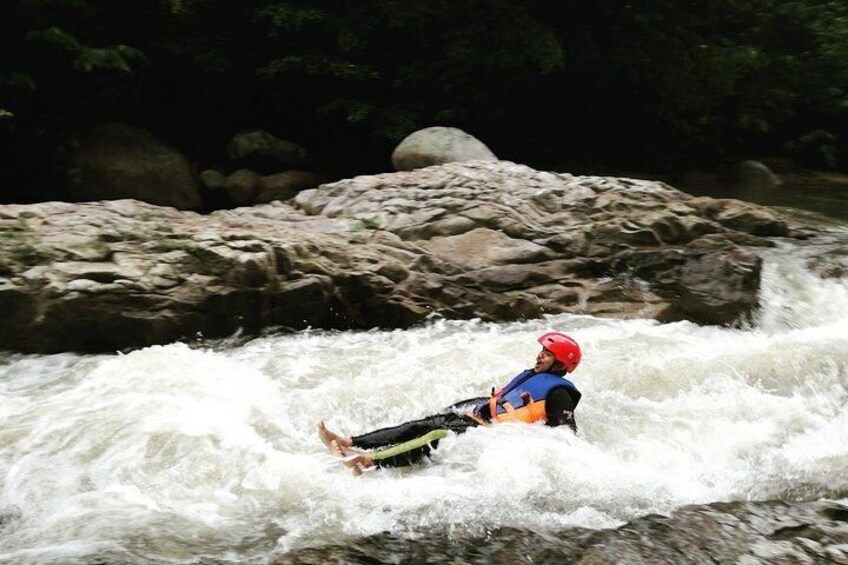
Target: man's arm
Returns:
[[559, 408]]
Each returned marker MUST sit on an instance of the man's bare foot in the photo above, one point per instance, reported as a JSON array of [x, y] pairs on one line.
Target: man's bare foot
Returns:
[[328, 437], [355, 460]]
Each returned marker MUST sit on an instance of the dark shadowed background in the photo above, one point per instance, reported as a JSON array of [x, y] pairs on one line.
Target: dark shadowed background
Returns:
[[659, 86]]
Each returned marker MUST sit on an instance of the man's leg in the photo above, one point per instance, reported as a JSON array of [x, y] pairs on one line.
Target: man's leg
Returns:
[[408, 452], [411, 430], [400, 455]]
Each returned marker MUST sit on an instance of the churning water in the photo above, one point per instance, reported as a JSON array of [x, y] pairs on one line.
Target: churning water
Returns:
[[176, 453]]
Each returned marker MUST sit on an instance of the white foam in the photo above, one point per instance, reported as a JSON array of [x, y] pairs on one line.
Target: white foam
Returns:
[[175, 452]]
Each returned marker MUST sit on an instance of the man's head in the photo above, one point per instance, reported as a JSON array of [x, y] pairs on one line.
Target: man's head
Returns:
[[547, 363], [560, 354]]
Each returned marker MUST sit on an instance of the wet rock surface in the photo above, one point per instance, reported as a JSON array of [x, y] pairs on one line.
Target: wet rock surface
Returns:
[[492, 240], [736, 532], [559, 243]]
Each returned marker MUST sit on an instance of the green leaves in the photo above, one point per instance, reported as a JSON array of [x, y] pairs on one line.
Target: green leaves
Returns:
[[18, 81], [284, 16], [55, 36], [88, 59], [638, 84], [118, 58], [388, 67], [317, 65], [817, 147]]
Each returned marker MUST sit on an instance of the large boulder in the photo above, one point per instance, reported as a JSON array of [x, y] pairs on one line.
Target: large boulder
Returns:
[[489, 240], [120, 161], [260, 151], [755, 175], [437, 146]]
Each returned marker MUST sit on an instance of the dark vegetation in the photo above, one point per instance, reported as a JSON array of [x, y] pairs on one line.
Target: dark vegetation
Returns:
[[600, 85]]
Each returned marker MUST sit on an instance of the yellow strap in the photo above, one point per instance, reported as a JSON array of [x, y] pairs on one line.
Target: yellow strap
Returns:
[[395, 450]]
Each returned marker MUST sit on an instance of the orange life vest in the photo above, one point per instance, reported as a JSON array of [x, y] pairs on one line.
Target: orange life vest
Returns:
[[523, 399]]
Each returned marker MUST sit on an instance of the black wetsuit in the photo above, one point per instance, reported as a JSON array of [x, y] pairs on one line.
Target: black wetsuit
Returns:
[[559, 408]]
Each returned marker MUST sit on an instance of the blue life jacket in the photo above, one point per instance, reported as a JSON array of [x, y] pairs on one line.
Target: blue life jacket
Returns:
[[523, 398]]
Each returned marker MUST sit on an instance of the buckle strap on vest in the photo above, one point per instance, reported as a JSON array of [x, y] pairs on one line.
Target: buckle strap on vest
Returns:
[[494, 402]]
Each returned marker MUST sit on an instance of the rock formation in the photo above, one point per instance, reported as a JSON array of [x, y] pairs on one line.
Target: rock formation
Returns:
[[766, 533], [487, 239]]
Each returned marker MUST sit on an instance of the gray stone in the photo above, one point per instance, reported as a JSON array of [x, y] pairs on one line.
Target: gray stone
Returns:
[[704, 300], [755, 174], [483, 247], [120, 161], [742, 216], [437, 146], [212, 179], [283, 186], [83, 285], [261, 151], [242, 186]]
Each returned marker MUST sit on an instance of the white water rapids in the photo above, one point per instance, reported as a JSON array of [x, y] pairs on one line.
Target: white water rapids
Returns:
[[175, 453]]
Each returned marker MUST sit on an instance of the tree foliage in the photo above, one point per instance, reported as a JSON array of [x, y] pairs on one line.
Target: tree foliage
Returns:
[[608, 83]]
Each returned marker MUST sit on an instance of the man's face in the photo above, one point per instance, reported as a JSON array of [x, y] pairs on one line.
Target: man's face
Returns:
[[544, 361]]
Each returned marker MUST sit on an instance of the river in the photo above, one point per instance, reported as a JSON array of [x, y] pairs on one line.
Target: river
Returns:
[[206, 452]]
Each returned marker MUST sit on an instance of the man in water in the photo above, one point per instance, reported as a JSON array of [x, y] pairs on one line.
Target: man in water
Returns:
[[540, 394]]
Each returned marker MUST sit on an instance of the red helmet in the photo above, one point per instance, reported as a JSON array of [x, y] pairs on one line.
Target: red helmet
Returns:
[[565, 349]]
